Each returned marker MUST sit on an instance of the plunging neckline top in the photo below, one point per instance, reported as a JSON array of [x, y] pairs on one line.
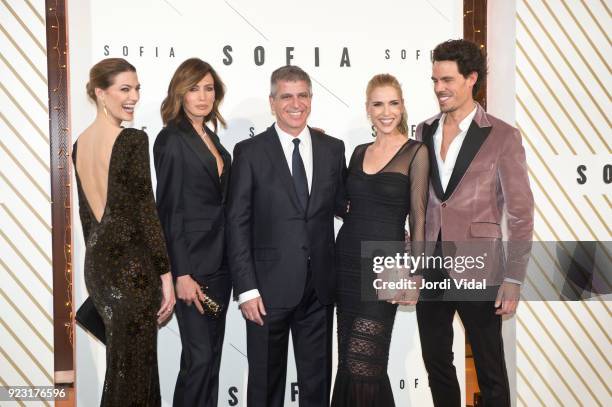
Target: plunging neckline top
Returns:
[[399, 150], [110, 162]]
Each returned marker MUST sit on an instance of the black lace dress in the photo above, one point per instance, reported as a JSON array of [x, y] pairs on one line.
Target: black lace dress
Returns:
[[125, 253], [379, 205]]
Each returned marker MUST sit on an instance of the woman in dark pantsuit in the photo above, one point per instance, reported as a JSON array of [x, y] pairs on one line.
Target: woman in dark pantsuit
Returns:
[[192, 173]]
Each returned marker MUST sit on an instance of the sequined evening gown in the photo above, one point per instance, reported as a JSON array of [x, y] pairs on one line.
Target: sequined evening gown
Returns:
[[379, 205], [125, 254]]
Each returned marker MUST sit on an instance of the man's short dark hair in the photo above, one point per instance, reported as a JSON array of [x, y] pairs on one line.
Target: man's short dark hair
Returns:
[[467, 55], [290, 73]]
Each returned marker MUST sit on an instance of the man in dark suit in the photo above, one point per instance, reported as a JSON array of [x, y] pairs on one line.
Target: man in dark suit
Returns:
[[286, 186], [478, 173]]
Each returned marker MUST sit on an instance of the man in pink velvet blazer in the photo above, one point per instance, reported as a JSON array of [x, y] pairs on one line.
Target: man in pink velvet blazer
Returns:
[[478, 174]]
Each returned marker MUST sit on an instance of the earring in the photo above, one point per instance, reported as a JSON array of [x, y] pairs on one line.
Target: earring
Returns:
[[373, 131], [104, 107]]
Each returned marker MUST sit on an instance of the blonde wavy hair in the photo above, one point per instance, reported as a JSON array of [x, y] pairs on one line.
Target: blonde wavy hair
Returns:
[[385, 79]]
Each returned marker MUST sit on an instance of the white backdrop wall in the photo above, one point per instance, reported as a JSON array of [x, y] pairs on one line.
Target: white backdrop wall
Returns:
[[245, 41]]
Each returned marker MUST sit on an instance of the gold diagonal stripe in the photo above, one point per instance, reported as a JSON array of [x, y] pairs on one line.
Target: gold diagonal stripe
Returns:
[[585, 331], [521, 399], [26, 350], [535, 393], [577, 77], [28, 60], [3, 383], [534, 368], [561, 105], [584, 61], [607, 200], [552, 229], [26, 319], [26, 233], [550, 362], [550, 118], [552, 258], [552, 202], [577, 346], [565, 194], [25, 144], [18, 370], [559, 349], [26, 262], [535, 123], [24, 26], [26, 292], [606, 6], [586, 35], [586, 308], [25, 114], [582, 303], [603, 222], [529, 281], [40, 18], [25, 201], [24, 84], [25, 172], [596, 21]]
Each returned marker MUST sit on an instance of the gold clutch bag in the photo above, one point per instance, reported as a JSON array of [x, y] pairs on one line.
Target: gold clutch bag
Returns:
[[211, 306]]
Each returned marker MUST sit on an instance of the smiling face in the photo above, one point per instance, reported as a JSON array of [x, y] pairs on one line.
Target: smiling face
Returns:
[[291, 105], [120, 98], [385, 107], [453, 90], [199, 99]]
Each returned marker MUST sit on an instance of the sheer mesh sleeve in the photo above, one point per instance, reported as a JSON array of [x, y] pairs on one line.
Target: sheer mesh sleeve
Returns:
[[419, 193]]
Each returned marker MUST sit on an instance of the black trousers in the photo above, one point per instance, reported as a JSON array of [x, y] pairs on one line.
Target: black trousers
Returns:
[[310, 324], [483, 328], [197, 383]]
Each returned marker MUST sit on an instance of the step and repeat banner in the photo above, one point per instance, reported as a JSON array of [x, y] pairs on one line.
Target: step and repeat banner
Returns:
[[341, 44], [562, 103]]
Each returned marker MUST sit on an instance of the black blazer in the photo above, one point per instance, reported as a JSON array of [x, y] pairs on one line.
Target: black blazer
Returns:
[[271, 238], [191, 198]]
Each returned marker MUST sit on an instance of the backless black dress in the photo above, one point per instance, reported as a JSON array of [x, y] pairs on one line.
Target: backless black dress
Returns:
[[125, 253]]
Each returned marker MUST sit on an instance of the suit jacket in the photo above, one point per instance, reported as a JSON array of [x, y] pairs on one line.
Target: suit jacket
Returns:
[[490, 177], [191, 198], [272, 240]]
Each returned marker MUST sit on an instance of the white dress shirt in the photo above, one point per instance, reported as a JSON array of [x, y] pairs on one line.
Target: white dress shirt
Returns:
[[446, 167], [305, 149]]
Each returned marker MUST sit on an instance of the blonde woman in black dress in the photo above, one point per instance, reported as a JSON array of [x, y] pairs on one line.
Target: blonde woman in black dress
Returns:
[[387, 181], [127, 272]]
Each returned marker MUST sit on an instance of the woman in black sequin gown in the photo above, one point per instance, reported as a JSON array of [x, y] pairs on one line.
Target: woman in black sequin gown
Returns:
[[387, 181], [125, 252]]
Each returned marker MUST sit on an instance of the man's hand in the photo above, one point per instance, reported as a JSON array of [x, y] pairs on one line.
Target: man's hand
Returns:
[[188, 290], [507, 299], [253, 310]]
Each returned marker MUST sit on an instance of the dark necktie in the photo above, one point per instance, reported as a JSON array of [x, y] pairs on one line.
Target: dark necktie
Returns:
[[299, 174]]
